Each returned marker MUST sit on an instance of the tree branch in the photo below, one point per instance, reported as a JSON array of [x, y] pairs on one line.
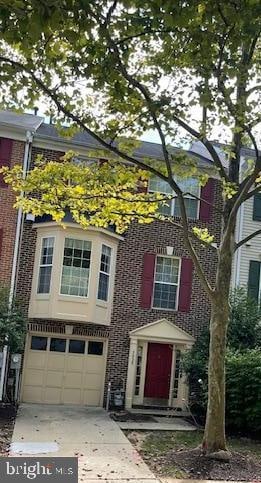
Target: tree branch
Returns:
[[247, 238]]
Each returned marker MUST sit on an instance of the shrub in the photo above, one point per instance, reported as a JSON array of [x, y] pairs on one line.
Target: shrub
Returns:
[[243, 411], [12, 323], [243, 388]]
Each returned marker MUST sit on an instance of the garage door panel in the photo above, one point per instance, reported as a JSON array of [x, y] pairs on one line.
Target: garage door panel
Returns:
[[36, 359], [54, 379], [55, 361], [73, 379], [72, 396], [91, 398], [33, 394], [75, 363], [94, 364], [92, 381], [52, 395], [34, 378]]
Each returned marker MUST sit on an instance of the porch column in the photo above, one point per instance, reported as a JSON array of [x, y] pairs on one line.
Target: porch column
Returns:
[[131, 373]]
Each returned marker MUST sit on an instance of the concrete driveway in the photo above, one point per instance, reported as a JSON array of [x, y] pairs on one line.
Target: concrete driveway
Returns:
[[104, 453]]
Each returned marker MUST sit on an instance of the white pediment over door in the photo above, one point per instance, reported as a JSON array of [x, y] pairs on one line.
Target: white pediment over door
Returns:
[[160, 331]]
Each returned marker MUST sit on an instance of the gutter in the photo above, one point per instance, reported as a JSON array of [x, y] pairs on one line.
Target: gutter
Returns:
[[19, 227]]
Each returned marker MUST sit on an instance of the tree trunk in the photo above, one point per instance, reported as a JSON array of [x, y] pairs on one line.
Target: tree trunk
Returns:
[[214, 436]]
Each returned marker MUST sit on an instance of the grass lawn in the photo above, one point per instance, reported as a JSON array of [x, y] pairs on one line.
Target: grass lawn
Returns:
[[172, 453]]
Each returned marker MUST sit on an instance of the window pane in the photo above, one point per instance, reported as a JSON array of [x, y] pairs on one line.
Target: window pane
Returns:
[[188, 185], [46, 261], [77, 346], [191, 206], [76, 265], [167, 270], [95, 348], [104, 273], [165, 296], [38, 343], [103, 286], [44, 279], [58, 345], [159, 186]]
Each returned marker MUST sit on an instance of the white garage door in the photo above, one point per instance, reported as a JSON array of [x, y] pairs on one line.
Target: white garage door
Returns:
[[64, 370]]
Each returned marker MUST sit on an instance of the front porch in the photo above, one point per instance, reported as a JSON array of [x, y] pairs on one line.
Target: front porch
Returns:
[[154, 376]]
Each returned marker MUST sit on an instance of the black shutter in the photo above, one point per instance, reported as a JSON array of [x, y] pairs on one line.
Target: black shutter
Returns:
[[254, 279]]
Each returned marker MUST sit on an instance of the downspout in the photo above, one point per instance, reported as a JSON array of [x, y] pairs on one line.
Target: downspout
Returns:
[[19, 226]]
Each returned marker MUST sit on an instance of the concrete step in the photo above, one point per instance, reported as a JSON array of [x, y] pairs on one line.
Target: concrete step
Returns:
[[169, 413]]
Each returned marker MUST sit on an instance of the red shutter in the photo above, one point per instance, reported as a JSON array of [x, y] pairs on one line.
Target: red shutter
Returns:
[[207, 194], [5, 156], [185, 284], [147, 279]]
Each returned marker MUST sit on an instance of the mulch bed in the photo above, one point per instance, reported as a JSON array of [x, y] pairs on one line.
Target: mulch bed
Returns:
[[193, 464], [7, 420], [125, 416]]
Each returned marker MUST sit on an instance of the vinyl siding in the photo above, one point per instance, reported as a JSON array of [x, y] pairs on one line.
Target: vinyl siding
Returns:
[[251, 251]]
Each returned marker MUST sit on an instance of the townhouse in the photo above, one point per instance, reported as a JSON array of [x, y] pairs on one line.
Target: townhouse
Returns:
[[104, 308]]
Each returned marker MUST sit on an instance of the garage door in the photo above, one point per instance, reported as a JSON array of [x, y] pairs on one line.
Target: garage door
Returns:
[[62, 370]]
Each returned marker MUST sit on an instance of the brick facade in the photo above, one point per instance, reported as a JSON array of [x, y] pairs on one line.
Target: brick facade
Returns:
[[8, 218], [127, 313]]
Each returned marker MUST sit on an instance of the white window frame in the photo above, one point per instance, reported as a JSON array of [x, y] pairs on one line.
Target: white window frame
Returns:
[[105, 273], [164, 283], [61, 274], [173, 201], [48, 237]]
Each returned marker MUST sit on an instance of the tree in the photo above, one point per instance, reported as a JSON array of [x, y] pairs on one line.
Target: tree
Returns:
[[117, 68]]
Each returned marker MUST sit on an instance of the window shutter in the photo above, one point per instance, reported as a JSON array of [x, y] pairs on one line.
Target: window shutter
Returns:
[[257, 207], [5, 156], [254, 279], [207, 194], [147, 279], [185, 288]]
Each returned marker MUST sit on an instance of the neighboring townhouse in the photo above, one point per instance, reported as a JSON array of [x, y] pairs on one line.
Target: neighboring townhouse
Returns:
[[15, 139], [104, 308], [247, 262], [246, 270]]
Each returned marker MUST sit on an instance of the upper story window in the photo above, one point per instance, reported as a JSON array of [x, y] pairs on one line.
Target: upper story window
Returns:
[[76, 267], [104, 275], [166, 283], [190, 186], [46, 263]]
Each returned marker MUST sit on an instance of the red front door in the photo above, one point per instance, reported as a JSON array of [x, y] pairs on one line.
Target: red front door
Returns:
[[158, 371]]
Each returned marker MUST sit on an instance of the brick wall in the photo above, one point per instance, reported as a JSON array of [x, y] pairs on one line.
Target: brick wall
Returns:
[[8, 218]]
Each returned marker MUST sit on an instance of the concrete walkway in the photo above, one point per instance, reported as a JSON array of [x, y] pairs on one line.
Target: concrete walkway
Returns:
[[104, 453]]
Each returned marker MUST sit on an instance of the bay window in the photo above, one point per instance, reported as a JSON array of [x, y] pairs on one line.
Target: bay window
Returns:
[[166, 283]]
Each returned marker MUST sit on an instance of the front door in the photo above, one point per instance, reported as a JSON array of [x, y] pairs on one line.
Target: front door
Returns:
[[158, 371]]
